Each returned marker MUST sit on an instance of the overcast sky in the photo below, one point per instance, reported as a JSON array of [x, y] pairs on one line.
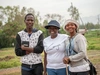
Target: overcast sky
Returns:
[[87, 8]]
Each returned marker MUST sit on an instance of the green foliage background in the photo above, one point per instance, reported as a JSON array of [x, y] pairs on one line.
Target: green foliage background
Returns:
[[93, 39], [12, 21]]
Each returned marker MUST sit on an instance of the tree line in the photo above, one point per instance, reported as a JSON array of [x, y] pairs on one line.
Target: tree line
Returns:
[[12, 21]]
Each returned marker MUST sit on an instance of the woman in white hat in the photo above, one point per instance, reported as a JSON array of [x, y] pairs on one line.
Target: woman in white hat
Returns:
[[54, 50], [76, 48]]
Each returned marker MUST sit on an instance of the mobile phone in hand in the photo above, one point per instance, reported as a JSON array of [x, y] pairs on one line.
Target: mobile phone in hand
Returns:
[[25, 43]]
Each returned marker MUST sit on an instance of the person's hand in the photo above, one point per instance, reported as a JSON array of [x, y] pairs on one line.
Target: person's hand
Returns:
[[22, 47], [66, 60], [25, 48], [45, 73], [27, 52]]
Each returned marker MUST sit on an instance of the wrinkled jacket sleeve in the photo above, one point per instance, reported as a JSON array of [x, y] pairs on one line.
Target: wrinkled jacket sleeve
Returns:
[[82, 47], [39, 47], [18, 50]]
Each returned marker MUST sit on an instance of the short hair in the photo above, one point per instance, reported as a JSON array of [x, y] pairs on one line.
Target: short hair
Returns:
[[29, 14]]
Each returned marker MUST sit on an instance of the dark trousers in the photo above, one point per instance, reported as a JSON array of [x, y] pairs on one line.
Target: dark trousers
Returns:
[[36, 69], [79, 73]]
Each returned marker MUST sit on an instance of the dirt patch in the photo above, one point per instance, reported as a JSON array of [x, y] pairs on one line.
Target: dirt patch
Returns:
[[10, 70], [98, 68], [6, 58]]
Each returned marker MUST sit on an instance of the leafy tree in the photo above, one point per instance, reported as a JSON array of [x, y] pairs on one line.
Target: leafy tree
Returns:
[[90, 26], [11, 29], [57, 17], [74, 13], [0, 24]]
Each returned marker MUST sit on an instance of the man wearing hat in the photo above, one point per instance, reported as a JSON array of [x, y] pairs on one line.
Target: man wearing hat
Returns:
[[54, 50]]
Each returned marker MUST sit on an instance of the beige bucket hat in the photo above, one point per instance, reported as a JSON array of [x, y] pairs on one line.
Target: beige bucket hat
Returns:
[[72, 21]]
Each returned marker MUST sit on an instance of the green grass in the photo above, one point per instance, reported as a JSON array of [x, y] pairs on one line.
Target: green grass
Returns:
[[93, 40], [8, 58], [94, 56], [93, 43]]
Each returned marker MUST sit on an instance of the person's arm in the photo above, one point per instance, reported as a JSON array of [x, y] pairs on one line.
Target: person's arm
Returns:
[[38, 48], [18, 50], [82, 47], [45, 63]]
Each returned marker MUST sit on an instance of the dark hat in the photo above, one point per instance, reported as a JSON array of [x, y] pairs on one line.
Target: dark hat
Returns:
[[53, 23]]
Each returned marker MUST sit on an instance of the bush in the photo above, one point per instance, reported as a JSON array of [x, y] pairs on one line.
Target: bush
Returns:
[[6, 41]]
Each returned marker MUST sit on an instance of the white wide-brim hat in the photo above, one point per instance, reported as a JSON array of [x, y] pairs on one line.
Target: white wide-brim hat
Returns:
[[72, 21]]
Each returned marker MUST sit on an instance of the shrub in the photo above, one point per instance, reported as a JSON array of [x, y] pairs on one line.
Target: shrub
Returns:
[[5, 41]]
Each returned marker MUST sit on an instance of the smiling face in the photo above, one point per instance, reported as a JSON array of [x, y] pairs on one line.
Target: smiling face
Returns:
[[29, 20], [53, 31], [71, 27]]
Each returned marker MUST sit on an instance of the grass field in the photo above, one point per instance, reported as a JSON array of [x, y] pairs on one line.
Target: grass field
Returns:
[[8, 59], [93, 43], [93, 40]]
